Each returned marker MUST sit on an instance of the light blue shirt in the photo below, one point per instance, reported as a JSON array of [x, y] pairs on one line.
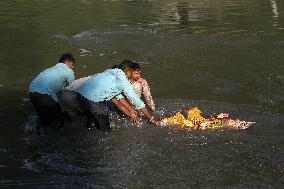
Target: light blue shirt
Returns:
[[52, 80], [109, 84]]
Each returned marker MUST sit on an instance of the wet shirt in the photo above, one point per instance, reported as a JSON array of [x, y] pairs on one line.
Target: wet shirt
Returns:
[[141, 87], [109, 84], [52, 80]]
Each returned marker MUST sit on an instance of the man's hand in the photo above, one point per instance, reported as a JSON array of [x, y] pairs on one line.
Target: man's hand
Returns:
[[134, 116], [154, 121]]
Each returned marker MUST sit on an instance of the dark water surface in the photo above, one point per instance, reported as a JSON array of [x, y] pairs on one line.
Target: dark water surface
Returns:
[[220, 55]]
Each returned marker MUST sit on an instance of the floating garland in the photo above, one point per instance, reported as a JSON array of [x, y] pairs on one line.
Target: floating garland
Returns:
[[194, 119]]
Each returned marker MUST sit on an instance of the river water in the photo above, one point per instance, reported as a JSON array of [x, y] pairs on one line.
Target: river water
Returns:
[[221, 56]]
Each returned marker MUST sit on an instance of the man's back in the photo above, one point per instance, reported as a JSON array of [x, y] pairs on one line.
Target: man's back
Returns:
[[52, 80], [107, 85], [102, 86]]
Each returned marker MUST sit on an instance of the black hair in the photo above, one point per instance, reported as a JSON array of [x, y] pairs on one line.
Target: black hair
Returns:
[[114, 66], [128, 64], [136, 66], [66, 56]]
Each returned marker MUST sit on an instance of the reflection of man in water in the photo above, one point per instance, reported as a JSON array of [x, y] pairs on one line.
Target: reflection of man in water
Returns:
[[47, 86], [110, 85]]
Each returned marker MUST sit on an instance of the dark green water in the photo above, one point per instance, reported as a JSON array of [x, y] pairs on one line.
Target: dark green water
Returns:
[[220, 55]]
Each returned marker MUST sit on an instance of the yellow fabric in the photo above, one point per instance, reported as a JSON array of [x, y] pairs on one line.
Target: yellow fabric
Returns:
[[194, 119]]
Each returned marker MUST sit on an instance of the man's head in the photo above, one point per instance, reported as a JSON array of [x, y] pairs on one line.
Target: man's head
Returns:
[[136, 74], [129, 68], [67, 59]]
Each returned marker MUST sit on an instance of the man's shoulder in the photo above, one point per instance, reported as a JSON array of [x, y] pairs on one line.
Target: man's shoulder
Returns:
[[62, 66], [65, 70], [115, 71], [59, 65], [118, 73]]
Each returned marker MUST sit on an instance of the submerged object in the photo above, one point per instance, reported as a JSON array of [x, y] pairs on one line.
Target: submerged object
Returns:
[[195, 120]]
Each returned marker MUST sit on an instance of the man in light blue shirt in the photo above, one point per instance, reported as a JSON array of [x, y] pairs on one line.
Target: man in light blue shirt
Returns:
[[45, 89], [111, 85]]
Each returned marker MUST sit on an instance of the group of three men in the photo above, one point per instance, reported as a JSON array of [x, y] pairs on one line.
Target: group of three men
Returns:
[[94, 94]]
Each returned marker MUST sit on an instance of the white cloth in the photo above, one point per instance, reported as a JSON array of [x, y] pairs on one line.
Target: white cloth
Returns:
[[75, 85]]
